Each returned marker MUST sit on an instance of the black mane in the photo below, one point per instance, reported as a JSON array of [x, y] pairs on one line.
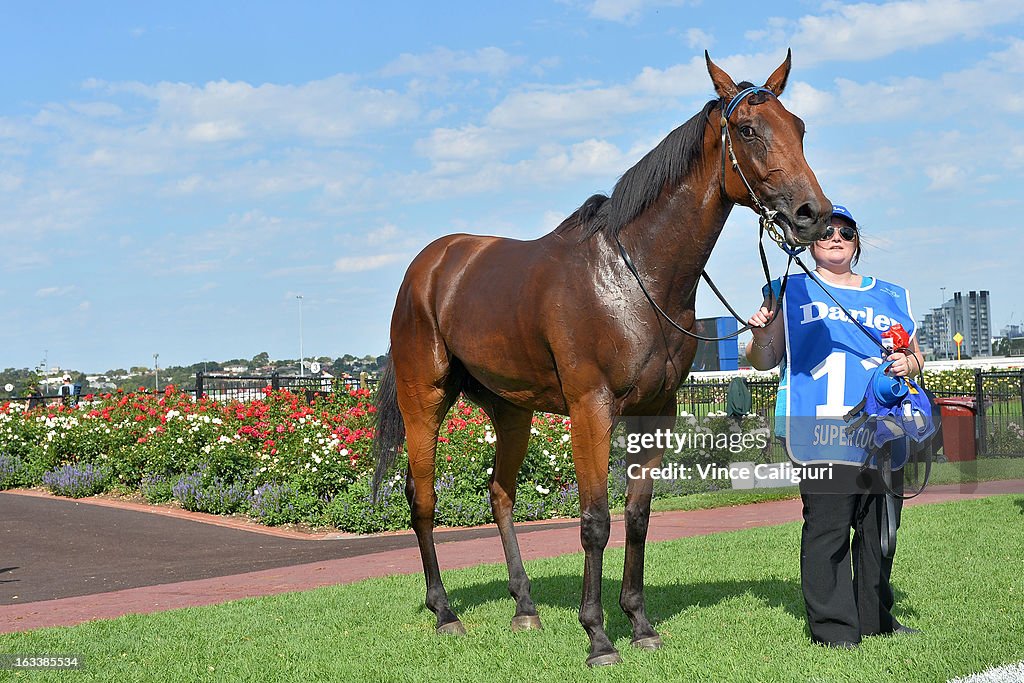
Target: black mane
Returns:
[[636, 190]]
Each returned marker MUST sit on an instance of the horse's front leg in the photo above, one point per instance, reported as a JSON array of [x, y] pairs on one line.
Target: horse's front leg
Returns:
[[591, 441], [639, 490]]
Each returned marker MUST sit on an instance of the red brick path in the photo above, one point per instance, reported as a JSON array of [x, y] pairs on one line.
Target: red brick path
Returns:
[[542, 542]]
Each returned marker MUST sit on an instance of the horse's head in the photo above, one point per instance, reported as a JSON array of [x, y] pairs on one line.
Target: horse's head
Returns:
[[768, 161]]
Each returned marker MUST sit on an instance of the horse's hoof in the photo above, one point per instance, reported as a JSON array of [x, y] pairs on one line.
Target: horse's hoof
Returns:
[[526, 622], [604, 660], [452, 628], [648, 643]]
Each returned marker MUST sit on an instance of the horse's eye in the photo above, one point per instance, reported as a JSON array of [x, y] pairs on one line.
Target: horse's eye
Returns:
[[747, 132]]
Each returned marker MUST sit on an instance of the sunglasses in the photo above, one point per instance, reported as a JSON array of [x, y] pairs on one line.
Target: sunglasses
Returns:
[[846, 232]]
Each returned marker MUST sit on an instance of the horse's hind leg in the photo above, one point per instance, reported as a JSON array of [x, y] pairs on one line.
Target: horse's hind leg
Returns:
[[424, 403], [512, 428]]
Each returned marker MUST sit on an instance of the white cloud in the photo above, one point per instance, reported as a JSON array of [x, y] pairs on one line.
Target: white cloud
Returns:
[[327, 110], [678, 80], [221, 246], [696, 38], [551, 163], [616, 10], [491, 61], [986, 81], [582, 111], [944, 176], [873, 102], [864, 31], [10, 182], [96, 109], [565, 110], [550, 220], [808, 102], [385, 234], [923, 100], [216, 131], [1016, 156], [42, 209], [467, 143], [566, 127], [358, 264], [775, 32], [1011, 59], [596, 158]]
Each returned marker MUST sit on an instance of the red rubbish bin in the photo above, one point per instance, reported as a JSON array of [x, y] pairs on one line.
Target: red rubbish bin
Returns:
[[958, 441]]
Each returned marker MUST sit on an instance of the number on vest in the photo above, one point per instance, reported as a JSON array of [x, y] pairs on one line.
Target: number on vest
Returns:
[[833, 369]]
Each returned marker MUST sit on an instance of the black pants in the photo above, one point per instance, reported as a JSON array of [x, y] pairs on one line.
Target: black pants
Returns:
[[846, 590]]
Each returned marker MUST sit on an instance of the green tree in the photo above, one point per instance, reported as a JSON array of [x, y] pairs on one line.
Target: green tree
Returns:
[[1009, 347]]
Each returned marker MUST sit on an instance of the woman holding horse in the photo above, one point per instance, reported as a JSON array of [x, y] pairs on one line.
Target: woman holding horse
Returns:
[[826, 363]]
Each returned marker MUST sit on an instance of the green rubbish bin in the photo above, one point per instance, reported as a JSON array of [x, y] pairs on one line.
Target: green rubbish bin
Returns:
[[958, 435]]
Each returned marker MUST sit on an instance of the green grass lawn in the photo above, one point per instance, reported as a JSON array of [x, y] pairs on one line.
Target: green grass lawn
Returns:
[[728, 607], [986, 469]]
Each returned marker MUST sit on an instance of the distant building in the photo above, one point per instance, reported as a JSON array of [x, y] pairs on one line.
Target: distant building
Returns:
[[1012, 332], [969, 315]]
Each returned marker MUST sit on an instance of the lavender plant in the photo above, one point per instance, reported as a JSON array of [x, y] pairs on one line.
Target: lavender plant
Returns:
[[217, 496], [77, 480], [11, 471], [157, 488], [274, 503]]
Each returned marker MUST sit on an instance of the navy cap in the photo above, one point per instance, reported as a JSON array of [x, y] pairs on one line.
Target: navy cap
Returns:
[[838, 210]]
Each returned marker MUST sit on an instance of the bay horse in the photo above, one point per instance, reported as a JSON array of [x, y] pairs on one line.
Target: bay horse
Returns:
[[560, 324]]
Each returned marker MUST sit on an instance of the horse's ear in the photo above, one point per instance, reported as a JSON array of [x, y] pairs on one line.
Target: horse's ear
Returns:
[[777, 81], [724, 85]]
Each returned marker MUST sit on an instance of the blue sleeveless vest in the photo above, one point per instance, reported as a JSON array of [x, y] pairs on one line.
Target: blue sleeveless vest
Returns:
[[830, 361]]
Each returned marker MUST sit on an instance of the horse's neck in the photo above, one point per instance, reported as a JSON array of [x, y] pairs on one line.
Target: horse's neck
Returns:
[[672, 241]]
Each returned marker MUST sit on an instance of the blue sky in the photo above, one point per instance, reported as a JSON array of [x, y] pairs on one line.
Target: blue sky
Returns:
[[171, 179]]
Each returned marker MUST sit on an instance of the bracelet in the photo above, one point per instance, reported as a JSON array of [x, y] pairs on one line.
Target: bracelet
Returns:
[[766, 346]]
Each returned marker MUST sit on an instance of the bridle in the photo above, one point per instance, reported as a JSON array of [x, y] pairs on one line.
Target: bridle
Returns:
[[766, 222]]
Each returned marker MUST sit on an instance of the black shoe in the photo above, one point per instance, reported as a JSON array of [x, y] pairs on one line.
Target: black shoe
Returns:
[[902, 630]]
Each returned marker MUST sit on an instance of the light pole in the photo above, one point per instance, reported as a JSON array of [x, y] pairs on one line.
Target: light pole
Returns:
[[302, 372], [945, 325], [156, 372]]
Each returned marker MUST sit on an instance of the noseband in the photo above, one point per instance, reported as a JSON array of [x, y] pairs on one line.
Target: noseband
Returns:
[[767, 216]]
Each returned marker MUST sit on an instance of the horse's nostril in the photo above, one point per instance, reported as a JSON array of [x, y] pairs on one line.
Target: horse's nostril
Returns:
[[806, 212]]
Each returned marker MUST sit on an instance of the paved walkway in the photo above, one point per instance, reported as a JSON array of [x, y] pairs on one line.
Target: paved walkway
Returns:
[[65, 562]]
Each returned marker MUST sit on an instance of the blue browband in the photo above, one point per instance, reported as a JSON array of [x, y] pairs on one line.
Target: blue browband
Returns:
[[735, 102]]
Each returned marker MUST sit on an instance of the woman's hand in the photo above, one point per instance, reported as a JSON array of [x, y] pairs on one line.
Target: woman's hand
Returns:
[[758, 321], [767, 346], [903, 364]]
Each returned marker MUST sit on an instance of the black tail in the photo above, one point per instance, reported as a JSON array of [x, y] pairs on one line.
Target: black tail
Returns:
[[390, 431]]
